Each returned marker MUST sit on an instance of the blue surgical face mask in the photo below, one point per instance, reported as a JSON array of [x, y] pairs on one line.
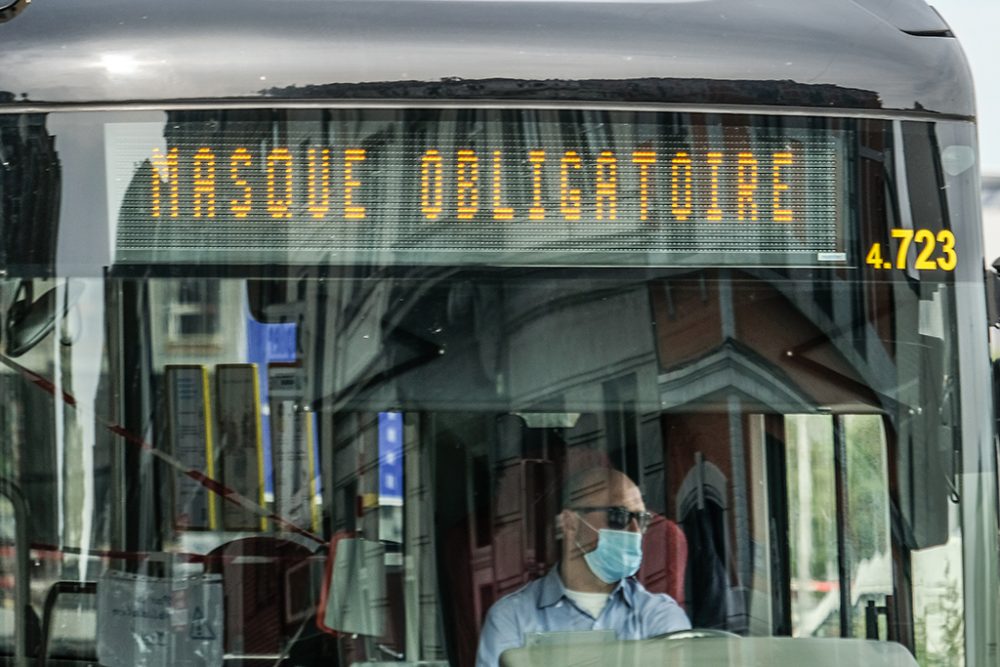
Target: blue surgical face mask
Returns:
[[618, 554]]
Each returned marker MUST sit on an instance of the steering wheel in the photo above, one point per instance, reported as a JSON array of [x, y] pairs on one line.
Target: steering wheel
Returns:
[[698, 633]]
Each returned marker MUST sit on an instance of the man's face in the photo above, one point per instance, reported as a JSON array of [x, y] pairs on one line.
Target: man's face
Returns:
[[617, 492]]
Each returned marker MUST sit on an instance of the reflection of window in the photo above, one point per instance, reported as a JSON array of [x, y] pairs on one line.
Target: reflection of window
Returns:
[[193, 312], [839, 540]]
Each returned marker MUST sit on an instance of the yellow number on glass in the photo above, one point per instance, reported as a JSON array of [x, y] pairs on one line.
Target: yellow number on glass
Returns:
[[875, 256], [905, 236], [950, 259], [924, 261]]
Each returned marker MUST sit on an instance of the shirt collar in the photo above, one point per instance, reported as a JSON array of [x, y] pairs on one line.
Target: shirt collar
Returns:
[[552, 589]]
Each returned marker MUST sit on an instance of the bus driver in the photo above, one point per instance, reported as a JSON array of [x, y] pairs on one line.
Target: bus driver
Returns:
[[591, 588]]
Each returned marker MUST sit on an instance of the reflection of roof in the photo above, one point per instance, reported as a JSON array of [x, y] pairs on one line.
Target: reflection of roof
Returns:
[[733, 367]]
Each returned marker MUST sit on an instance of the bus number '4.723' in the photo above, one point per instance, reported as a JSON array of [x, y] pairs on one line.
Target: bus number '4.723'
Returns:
[[934, 251]]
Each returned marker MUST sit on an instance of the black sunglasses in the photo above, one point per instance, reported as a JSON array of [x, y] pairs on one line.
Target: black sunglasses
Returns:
[[620, 518]]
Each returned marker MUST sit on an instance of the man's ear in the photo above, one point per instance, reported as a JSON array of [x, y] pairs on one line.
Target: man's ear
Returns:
[[565, 526]]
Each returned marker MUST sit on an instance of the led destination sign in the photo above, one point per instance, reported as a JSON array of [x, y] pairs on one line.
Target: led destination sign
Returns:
[[479, 187]]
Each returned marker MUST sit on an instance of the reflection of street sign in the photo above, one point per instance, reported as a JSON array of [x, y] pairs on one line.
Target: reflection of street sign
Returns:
[[292, 445], [240, 447], [190, 418], [267, 343], [390, 457]]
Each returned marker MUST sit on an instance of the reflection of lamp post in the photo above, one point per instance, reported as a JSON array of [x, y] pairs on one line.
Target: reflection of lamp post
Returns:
[[11, 8]]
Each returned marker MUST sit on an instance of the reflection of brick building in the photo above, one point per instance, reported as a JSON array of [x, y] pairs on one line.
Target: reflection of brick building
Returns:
[[731, 351]]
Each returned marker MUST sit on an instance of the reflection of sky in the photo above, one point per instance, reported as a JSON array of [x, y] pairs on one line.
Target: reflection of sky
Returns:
[[975, 23], [129, 50]]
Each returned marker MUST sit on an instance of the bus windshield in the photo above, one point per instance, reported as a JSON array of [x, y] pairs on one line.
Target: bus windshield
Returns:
[[333, 386]]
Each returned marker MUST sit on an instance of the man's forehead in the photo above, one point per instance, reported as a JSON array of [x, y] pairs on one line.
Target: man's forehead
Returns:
[[624, 494], [605, 487]]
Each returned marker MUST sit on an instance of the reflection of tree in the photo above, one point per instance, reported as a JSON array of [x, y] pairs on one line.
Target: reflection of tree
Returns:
[[866, 525], [868, 537], [949, 647], [920, 639], [866, 531], [823, 552], [953, 641]]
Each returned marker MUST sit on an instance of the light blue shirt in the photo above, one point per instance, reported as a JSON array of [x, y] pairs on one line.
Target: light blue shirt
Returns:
[[543, 606]]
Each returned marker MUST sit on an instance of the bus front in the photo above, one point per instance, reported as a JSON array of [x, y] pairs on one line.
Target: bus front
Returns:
[[313, 361]]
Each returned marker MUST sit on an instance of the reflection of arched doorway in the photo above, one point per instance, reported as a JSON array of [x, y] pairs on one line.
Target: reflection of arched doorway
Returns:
[[702, 506]]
